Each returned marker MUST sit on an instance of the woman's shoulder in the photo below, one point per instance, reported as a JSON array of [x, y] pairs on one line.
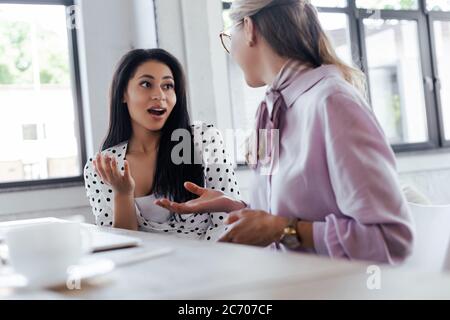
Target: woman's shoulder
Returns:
[[332, 93], [208, 142], [201, 129], [200, 125], [117, 151]]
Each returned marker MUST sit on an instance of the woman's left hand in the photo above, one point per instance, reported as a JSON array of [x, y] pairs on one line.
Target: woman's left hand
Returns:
[[252, 227]]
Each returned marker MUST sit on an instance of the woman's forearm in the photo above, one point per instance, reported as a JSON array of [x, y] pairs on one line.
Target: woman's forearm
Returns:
[[124, 212]]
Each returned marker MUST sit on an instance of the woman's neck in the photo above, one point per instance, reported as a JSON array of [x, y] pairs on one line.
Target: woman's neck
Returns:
[[272, 64], [143, 141]]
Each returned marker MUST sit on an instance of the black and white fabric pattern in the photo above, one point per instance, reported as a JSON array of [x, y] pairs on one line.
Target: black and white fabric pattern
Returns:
[[219, 175]]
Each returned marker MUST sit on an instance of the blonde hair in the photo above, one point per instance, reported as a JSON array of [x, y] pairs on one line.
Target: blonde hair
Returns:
[[293, 30]]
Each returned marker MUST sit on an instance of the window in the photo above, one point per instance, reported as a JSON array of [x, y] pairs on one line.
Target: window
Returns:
[[402, 46], [388, 4], [395, 77], [438, 5], [337, 27], [40, 111], [442, 43]]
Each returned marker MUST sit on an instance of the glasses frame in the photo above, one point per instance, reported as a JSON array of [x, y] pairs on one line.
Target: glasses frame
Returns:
[[226, 35]]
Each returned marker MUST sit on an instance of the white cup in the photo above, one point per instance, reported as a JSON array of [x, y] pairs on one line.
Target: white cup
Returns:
[[44, 253]]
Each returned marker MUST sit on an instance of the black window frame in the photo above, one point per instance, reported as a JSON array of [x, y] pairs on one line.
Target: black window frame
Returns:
[[78, 110], [432, 17], [425, 19]]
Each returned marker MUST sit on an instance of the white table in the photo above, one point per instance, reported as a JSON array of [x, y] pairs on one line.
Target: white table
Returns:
[[201, 270]]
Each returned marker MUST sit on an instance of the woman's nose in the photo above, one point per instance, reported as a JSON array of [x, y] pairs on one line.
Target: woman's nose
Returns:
[[158, 94]]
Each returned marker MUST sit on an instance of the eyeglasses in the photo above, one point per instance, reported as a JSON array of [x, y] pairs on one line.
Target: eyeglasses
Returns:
[[225, 38]]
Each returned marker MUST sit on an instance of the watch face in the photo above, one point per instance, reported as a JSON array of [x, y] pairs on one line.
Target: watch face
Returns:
[[291, 241]]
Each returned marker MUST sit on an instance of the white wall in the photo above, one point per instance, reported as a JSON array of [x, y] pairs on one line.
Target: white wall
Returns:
[[195, 41]]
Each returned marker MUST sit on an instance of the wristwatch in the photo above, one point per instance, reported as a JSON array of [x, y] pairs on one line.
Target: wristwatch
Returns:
[[290, 237]]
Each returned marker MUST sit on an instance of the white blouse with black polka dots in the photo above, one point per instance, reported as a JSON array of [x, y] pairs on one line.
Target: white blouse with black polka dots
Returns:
[[219, 175]]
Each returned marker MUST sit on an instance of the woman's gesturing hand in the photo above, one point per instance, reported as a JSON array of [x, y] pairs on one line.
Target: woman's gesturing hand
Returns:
[[106, 168], [254, 227], [208, 201]]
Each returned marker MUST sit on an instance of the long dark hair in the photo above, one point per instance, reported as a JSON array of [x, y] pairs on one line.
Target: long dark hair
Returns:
[[169, 177]]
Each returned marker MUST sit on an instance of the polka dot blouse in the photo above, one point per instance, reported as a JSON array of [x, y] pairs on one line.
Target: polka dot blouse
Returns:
[[219, 175]]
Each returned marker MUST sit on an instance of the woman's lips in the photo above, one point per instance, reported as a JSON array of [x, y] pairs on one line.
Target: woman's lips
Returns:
[[156, 111]]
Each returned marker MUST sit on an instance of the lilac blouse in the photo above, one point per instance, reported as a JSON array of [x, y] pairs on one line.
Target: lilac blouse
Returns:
[[337, 170]]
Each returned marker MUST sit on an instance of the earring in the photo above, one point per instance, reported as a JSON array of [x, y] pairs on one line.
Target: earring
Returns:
[[250, 43]]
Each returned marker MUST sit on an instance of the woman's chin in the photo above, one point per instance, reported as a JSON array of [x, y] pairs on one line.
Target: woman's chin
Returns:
[[252, 83], [154, 127], [152, 124]]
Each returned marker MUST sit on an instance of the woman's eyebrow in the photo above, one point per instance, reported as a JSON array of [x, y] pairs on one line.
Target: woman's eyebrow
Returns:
[[153, 78]]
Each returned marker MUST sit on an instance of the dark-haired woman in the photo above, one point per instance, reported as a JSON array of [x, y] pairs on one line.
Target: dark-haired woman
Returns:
[[138, 163]]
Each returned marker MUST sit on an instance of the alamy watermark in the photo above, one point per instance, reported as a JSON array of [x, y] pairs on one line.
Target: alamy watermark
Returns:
[[73, 278], [374, 280], [209, 147]]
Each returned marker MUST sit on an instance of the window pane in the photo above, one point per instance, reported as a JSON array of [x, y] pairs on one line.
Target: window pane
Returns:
[[37, 120], [395, 76], [442, 39], [388, 4], [328, 3], [438, 5], [337, 27]]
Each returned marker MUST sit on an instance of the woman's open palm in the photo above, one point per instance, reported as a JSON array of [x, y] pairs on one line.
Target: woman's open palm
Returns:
[[208, 201]]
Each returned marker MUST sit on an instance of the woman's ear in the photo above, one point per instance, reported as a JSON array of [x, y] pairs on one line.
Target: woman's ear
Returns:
[[249, 31], [125, 98]]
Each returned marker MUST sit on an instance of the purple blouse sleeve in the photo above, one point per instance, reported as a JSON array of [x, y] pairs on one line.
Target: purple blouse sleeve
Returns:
[[374, 222]]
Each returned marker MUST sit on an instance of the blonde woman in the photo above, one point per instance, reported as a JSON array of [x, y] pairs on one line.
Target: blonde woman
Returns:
[[329, 184]]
